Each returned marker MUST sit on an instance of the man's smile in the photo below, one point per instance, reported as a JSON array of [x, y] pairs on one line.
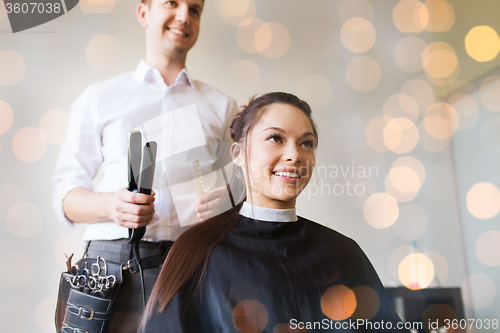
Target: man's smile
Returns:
[[178, 32]]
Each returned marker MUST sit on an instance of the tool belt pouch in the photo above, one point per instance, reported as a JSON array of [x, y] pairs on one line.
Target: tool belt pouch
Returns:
[[85, 300]]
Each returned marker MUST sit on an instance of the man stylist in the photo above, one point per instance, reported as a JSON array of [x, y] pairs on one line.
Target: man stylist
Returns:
[[100, 123]]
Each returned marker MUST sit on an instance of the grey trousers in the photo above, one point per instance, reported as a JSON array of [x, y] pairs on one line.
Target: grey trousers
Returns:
[[128, 305]]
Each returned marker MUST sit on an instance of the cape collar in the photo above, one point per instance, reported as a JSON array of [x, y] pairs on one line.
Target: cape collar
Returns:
[[268, 214]]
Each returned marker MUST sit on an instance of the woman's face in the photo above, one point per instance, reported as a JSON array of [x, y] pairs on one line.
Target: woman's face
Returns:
[[280, 151]]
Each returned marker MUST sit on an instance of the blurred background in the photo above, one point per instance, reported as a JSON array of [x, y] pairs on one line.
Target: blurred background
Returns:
[[406, 95]]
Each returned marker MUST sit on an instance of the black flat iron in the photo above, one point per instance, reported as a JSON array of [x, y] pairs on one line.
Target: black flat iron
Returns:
[[141, 169]]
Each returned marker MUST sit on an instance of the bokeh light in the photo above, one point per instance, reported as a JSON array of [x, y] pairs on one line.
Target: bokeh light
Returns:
[[272, 40], [401, 105], [44, 314], [396, 257], [381, 210], [439, 60], [97, 6], [349, 9], [375, 133], [410, 16], [358, 35], [441, 120], [466, 108], [404, 179], [397, 194], [483, 200], [232, 8], [420, 91], [407, 54], [68, 244], [263, 37], [411, 223], [488, 248], [444, 81], [17, 261], [54, 125], [405, 189], [15, 194], [429, 142], [233, 12], [6, 117], [338, 302], [441, 15], [363, 74], [367, 303], [24, 219], [103, 52], [482, 43], [416, 271], [12, 68], [245, 34], [489, 92], [441, 267], [479, 291], [315, 89], [441, 314], [28, 144], [243, 73], [413, 163], [250, 316], [490, 134], [400, 135]]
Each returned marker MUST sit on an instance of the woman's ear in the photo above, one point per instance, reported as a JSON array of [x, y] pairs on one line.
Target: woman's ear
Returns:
[[237, 154]]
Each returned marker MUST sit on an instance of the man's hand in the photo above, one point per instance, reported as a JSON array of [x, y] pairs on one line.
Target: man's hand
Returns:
[[131, 210], [212, 203]]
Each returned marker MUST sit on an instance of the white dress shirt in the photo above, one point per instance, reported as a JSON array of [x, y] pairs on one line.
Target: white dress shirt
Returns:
[[187, 119]]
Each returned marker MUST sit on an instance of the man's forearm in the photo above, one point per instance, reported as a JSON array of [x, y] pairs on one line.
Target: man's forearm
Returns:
[[83, 206]]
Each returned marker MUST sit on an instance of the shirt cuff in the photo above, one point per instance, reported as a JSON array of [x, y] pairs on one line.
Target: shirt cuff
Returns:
[[60, 193]]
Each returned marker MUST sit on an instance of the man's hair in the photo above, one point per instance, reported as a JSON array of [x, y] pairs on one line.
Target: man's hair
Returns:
[[148, 2]]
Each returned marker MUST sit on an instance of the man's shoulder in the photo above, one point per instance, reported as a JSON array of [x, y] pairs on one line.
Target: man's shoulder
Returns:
[[122, 80], [103, 90], [212, 92]]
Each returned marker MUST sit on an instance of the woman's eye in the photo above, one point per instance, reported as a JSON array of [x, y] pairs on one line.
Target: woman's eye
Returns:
[[195, 12], [170, 3], [308, 144], [275, 138]]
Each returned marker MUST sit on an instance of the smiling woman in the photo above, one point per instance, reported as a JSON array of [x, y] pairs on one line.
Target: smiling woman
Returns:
[[259, 267]]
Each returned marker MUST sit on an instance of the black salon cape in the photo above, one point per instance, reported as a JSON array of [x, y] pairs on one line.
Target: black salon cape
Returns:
[[286, 266]]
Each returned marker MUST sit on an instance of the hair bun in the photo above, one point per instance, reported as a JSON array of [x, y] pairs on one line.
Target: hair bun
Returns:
[[235, 126]]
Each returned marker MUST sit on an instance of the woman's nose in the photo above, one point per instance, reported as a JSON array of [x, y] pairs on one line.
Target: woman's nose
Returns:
[[292, 153]]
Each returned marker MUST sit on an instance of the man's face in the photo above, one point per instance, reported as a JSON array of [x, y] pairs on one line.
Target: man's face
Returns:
[[172, 26]]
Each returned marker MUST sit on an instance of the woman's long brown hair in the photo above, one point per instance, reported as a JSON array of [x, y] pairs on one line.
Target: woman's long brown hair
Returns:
[[187, 260]]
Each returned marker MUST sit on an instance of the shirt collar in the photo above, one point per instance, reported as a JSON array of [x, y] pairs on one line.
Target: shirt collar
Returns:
[[145, 73], [268, 214]]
